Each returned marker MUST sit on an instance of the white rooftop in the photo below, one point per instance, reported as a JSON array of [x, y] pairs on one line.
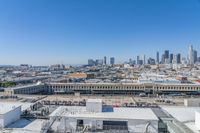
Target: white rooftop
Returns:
[[182, 114], [23, 86], [133, 83], [4, 108], [8, 105], [118, 113], [186, 115]]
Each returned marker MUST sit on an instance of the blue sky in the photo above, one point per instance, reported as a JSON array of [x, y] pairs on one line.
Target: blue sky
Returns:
[[43, 32]]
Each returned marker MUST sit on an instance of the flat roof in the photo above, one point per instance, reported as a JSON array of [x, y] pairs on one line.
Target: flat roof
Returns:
[[137, 83], [185, 115], [23, 105], [4, 108], [181, 113], [95, 100], [118, 113], [25, 86]]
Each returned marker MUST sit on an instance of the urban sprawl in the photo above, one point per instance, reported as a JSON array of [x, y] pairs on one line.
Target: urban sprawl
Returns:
[[145, 95]]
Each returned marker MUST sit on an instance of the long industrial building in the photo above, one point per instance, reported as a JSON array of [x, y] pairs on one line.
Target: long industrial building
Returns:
[[104, 88], [121, 88], [28, 89]]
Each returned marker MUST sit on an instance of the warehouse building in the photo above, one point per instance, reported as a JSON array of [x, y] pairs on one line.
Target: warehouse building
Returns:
[[27, 89], [105, 88], [122, 88]]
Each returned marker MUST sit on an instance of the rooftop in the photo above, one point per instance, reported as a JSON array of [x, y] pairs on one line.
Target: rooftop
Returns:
[[23, 86], [4, 108], [182, 114], [8, 105], [185, 115], [118, 113], [134, 83]]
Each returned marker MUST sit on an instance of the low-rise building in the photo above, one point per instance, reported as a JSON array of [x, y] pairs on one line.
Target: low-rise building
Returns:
[[9, 114], [132, 120]]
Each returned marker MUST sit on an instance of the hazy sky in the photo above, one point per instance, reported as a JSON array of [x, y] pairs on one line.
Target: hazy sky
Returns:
[[43, 32]]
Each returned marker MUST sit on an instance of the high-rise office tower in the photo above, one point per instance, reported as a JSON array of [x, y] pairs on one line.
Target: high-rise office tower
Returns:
[[178, 58], [105, 60], [144, 59], [157, 58], [191, 55], [138, 58], [163, 59], [112, 60], [195, 56], [166, 56], [171, 57]]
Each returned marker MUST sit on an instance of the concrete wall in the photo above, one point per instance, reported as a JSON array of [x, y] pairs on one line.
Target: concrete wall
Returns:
[[10, 117]]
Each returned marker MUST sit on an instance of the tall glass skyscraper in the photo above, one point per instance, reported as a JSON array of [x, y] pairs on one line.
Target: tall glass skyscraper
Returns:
[[166, 56], [105, 60], [178, 58], [171, 57], [191, 55], [112, 60], [157, 58], [195, 56]]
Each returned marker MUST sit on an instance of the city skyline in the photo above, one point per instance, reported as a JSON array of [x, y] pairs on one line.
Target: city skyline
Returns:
[[157, 57], [67, 32]]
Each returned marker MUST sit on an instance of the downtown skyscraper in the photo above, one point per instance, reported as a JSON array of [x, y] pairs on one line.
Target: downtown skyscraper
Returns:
[[105, 60], [171, 57], [112, 60], [166, 56], [191, 55], [195, 56], [157, 58], [178, 58]]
